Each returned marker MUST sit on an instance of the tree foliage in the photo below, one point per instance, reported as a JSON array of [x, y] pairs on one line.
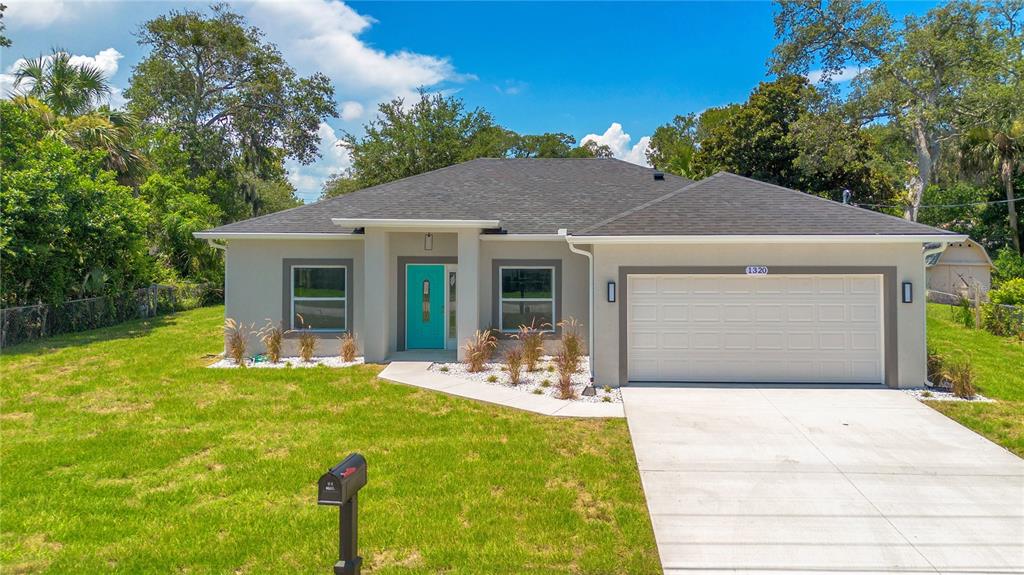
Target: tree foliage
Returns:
[[238, 108], [63, 218]]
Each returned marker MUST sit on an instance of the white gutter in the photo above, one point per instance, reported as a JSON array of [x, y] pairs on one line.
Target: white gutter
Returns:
[[215, 245], [271, 236], [411, 223], [591, 348], [768, 239], [936, 250], [522, 237]]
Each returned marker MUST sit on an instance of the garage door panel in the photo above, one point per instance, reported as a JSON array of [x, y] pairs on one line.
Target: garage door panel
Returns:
[[800, 329], [674, 312]]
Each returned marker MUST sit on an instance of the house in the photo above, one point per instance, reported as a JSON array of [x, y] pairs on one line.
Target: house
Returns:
[[726, 279], [957, 270]]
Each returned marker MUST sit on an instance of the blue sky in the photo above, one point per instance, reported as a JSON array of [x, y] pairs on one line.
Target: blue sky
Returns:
[[614, 71]]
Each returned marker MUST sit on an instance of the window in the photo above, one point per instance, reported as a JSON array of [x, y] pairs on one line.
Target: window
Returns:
[[319, 298], [527, 296]]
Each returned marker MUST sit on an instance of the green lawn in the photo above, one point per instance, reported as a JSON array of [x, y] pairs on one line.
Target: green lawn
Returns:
[[999, 368], [121, 452]]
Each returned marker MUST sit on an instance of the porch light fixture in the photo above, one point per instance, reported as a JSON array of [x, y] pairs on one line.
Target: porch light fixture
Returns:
[[428, 241], [908, 292], [611, 292]]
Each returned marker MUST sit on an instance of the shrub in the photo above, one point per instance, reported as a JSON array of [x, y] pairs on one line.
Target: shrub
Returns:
[[271, 336], [572, 343], [963, 313], [961, 376], [479, 349], [307, 345], [532, 339], [607, 389], [444, 369], [537, 391], [934, 366], [1008, 265], [566, 367], [514, 357], [307, 341], [1009, 293], [1004, 314], [492, 378], [348, 347], [546, 383], [237, 339]]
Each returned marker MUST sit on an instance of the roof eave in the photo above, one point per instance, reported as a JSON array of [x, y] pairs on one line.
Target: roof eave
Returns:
[[769, 239], [215, 235]]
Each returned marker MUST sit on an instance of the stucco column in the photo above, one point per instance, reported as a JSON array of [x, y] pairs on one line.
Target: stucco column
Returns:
[[376, 256], [467, 290]]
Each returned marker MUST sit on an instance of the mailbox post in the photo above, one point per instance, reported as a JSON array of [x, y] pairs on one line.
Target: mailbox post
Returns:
[[340, 487]]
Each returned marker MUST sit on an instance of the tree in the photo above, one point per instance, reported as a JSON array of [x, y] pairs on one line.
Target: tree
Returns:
[[5, 42], [179, 207], [674, 145], [591, 149], [64, 220], [434, 132], [1000, 147], [238, 108], [914, 74], [66, 88]]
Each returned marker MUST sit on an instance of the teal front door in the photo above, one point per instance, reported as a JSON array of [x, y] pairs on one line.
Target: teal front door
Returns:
[[424, 307]]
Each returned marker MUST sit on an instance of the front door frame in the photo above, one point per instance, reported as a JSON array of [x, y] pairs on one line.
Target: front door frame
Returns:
[[400, 302]]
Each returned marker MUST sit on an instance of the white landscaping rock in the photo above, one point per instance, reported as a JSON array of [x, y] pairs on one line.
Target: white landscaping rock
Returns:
[[287, 362], [530, 381], [926, 394]]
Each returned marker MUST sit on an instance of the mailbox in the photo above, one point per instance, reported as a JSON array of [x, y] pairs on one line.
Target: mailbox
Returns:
[[342, 481], [340, 487]]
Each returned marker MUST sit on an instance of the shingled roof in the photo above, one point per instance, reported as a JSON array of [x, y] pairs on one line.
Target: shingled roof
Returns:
[[727, 204], [528, 196], [588, 197]]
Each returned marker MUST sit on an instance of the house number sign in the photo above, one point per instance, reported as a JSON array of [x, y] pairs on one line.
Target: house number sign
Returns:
[[757, 270]]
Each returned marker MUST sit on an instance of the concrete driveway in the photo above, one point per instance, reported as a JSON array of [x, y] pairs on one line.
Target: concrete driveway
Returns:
[[803, 480]]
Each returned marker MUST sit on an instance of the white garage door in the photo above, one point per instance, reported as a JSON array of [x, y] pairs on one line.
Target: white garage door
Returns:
[[729, 328]]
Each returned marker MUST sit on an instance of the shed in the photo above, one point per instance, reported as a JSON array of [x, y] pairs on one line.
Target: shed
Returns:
[[961, 264]]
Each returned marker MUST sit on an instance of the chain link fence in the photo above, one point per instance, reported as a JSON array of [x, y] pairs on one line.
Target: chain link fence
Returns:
[[31, 322]]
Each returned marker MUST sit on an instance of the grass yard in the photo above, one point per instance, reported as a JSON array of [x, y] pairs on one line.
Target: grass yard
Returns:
[[122, 453], [999, 369]]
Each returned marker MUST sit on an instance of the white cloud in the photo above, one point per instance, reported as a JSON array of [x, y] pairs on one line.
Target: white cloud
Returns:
[[323, 35], [618, 140], [35, 14], [107, 61], [511, 87], [351, 110], [845, 75], [308, 180]]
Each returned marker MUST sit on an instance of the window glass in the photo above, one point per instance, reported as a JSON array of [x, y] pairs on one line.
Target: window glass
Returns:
[[320, 314], [517, 313], [318, 298], [319, 282], [527, 283]]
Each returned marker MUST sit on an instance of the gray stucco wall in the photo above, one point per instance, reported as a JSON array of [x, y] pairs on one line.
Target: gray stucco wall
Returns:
[[254, 286]]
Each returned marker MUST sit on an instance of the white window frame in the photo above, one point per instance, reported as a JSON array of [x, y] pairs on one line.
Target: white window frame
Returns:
[[502, 299], [294, 298]]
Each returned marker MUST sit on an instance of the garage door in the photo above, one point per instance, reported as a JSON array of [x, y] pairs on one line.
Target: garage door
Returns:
[[730, 328]]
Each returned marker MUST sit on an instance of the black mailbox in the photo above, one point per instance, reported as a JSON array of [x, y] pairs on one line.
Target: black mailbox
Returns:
[[342, 481], [340, 487]]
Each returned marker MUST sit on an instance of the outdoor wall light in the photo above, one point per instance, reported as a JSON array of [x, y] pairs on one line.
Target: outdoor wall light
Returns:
[[908, 292], [611, 292], [428, 242]]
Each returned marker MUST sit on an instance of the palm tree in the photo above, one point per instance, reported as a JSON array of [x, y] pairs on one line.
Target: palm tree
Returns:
[[113, 131], [1001, 147], [69, 89]]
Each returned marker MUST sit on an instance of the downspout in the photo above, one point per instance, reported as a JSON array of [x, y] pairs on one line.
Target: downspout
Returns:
[[937, 249], [590, 282], [213, 244]]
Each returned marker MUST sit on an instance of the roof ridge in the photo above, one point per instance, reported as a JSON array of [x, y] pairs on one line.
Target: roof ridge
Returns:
[[644, 205]]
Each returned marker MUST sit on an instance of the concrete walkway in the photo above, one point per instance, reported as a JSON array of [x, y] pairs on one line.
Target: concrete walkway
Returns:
[[751, 480], [416, 373]]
